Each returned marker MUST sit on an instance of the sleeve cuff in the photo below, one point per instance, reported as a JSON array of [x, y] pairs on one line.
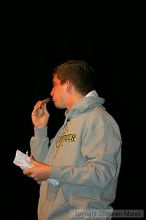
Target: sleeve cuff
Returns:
[[41, 132], [55, 172]]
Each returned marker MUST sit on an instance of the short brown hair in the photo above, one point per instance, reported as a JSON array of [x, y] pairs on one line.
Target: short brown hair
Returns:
[[79, 72]]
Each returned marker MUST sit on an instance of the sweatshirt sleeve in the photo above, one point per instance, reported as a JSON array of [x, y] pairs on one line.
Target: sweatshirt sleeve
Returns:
[[39, 144], [101, 149]]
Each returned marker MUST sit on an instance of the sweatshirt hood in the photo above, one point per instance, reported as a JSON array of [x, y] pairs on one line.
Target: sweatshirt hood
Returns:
[[91, 100]]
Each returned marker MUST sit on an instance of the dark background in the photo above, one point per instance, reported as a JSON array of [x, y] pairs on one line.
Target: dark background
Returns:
[[31, 47]]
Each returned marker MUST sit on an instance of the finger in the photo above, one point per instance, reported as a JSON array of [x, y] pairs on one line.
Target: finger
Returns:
[[30, 175], [37, 105], [27, 171]]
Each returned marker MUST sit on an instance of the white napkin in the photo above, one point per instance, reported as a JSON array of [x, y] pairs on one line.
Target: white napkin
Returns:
[[22, 160]]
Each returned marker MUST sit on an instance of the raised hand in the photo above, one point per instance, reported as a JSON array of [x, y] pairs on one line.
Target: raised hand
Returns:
[[40, 115]]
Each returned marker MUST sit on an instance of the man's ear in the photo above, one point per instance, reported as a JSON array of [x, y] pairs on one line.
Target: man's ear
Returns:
[[68, 86]]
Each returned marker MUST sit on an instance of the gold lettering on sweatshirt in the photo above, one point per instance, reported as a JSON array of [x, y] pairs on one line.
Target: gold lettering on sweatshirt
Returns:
[[63, 138]]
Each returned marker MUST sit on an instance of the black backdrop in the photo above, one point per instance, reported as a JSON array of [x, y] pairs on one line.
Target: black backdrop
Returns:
[[115, 46]]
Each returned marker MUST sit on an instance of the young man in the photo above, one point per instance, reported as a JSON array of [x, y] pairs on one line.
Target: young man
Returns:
[[79, 171]]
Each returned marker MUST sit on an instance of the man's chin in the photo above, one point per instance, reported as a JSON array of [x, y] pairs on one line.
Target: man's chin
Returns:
[[58, 106]]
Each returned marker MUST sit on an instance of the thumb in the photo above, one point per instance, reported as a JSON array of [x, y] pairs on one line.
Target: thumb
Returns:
[[33, 161]]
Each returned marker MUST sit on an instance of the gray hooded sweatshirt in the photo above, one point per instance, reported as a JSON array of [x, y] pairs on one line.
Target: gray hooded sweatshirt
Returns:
[[85, 156]]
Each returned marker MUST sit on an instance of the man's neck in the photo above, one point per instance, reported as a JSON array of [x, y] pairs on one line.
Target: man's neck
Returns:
[[73, 99]]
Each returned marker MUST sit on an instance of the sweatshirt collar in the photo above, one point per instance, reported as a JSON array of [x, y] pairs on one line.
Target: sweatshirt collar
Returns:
[[89, 101]]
